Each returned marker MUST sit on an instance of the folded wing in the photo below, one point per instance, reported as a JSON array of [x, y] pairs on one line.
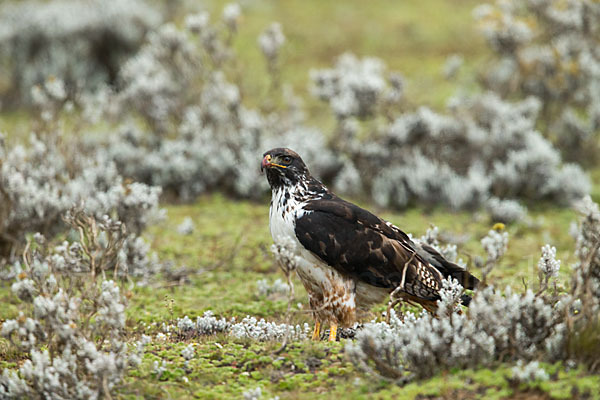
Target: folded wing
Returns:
[[359, 244]]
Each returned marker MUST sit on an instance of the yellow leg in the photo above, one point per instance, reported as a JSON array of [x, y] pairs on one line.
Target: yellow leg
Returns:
[[333, 333], [317, 331]]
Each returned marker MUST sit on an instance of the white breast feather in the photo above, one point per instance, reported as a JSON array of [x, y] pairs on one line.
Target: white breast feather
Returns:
[[314, 273], [283, 225]]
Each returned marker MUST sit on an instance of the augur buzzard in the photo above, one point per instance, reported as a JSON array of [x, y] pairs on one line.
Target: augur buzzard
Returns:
[[348, 258]]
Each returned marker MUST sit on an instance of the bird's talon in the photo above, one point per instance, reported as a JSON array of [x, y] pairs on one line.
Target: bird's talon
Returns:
[[333, 333], [316, 336]]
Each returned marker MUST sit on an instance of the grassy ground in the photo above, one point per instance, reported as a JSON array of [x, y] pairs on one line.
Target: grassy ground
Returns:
[[229, 250]]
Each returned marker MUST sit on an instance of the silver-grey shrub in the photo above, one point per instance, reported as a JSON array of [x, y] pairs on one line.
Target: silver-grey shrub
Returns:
[[264, 288], [506, 210], [530, 372], [179, 83], [200, 135], [548, 49], [248, 328], [498, 326], [586, 279], [354, 87], [82, 43], [72, 320], [485, 147], [41, 181]]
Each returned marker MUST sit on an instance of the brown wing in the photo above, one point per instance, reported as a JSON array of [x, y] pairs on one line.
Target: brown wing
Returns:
[[360, 244]]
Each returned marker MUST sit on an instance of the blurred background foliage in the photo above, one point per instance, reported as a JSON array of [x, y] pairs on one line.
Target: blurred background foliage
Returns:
[[412, 37]]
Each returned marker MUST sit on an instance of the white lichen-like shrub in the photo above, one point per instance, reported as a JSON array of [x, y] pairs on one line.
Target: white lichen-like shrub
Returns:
[[505, 210], [548, 265], [159, 369], [548, 49], [270, 42], [586, 278], [354, 87], [153, 81], [71, 326], [188, 353], [265, 288], [486, 147], [530, 372], [208, 324], [495, 244], [231, 15], [248, 328], [41, 181], [82, 43], [261, 330], [186, 227], [448, 250], [252, 394], [180, 82], [498, 326]]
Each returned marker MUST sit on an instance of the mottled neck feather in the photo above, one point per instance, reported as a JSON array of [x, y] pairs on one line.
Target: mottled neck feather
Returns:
[[281, 178], [305, 188]]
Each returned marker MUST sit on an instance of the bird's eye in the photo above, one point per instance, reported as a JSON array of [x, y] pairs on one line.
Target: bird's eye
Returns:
[[287, 159]]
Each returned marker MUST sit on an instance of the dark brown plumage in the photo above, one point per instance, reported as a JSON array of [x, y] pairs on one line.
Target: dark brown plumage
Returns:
[[357, 243]]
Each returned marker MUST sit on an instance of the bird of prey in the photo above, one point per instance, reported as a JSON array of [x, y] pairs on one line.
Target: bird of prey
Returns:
[[347, 258]]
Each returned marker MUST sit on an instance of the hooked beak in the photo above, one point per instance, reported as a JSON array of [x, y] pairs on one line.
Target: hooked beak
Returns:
[[266, 162]]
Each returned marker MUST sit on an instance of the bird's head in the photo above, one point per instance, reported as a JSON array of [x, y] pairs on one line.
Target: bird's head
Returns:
[[283, 167]]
